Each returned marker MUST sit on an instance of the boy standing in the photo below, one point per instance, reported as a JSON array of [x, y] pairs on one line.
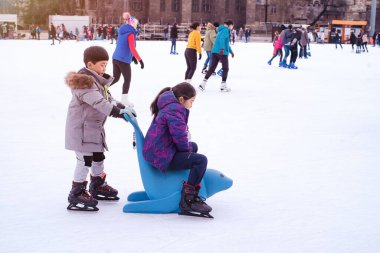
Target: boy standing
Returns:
[[89, 108]]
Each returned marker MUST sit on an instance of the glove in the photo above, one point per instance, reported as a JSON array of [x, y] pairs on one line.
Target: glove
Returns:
[[232, 55], [200, 56], [221, 52], [134, 60], [141, 64], [128, 110]]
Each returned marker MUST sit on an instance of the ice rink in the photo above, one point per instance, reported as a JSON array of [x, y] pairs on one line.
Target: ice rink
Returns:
[[302, 146]]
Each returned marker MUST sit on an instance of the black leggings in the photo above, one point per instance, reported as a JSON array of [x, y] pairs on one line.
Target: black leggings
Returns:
[[278, 52], [293, 54], [191, 61], [214, 63], [124, 68]]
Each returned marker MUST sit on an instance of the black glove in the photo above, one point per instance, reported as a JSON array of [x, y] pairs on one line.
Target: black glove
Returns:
[[141, 64], [200, 56], [134, 60]]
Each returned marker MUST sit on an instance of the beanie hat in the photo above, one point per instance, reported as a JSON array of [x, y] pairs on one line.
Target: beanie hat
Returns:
[[94, 54], [133, 22]]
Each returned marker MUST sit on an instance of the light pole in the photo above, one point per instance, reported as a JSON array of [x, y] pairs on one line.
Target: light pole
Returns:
[[372, 22]]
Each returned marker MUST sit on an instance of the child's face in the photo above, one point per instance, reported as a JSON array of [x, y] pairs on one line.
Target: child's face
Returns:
[[99, 67], [186, 103]]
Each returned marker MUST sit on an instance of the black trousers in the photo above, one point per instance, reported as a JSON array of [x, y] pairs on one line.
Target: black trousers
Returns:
[[214, 63], [191, 62], [293, 54], [124, 68]]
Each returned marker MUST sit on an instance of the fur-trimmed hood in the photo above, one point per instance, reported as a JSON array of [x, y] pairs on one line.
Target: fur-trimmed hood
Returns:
[[85, 78], [79, 81]]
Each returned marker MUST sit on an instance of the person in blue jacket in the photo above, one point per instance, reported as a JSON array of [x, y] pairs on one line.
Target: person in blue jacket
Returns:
[[220, 52], [124, 54]]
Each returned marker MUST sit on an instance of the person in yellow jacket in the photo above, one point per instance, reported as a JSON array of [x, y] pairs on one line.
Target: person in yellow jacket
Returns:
[[193, 47]]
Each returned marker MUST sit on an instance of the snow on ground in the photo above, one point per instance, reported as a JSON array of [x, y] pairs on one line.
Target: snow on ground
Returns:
[[302, 147]]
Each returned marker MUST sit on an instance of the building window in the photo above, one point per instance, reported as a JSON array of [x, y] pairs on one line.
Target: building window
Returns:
[[175, 5], [273, 9], [162, 5], [93, 5], [195, 5], [136, 5], [238, 5], [226, 6], [207, 6]]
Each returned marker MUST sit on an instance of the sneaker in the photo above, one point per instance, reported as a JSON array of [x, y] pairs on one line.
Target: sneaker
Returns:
[[224, 88]]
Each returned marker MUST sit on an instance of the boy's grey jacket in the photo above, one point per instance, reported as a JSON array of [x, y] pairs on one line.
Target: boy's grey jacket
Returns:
[[88, 110]]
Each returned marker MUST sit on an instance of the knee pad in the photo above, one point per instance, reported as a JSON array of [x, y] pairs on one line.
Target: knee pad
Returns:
[[98, 156]]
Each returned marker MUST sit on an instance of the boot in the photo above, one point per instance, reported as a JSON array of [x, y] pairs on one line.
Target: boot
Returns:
[[202, 86], [224, 88], [191, 202], [79, 195], [101, 190], [125, 101]]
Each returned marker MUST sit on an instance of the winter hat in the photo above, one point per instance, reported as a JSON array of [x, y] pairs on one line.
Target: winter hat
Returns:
[[94, 54], [133, 22]]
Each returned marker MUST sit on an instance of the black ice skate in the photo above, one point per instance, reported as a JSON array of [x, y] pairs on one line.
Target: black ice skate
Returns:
[[80, 199], [101, 190], [191, 204]]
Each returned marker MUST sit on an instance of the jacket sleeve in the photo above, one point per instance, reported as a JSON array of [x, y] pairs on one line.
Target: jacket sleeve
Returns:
[[198, 43], [178, 130], [131, 43], [93, 98]]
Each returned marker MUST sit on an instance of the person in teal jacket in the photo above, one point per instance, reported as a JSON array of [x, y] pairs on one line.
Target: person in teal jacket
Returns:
[[220, 52]]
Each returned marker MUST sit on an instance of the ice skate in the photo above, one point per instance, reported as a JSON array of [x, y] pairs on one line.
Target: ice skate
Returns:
[[269, 63], [101, 190], [204, 70], [80, 199], [202, 86], [191, 204], [126, 102], [224, 88]]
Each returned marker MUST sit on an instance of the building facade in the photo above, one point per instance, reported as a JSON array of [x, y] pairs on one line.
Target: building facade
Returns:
[[242, 12]]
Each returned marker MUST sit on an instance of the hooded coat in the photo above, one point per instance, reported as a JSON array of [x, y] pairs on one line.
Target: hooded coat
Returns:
[[209, 38], [89, 108], [222, 41], [168, 132]]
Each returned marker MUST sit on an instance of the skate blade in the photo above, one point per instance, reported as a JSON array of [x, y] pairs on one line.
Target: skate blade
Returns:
[[73, 207], [101, 197], [201, 215]]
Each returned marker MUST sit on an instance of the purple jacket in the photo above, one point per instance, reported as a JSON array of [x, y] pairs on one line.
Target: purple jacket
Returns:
[[168, 132]]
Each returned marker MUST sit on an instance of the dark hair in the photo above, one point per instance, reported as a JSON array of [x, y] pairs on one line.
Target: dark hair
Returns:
[[184, 90], [216, 24], [94, 54], [228, 22], [194, 25]]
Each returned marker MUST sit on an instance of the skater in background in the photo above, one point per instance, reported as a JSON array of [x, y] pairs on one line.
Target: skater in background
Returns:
[[365, 42], [277, 48], [294, 48], [167, 144], [304, 41], [173, 38], [286, 36], [53, 34], [90, 105], [359, 41], [193, 47], [352, 40], [337, 40], [124, 54], [220, 52], [209, 41]]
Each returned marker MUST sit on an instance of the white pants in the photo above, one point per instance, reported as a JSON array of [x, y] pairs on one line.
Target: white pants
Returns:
[[81, 170]]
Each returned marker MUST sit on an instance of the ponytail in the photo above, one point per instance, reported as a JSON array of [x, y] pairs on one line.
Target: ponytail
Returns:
[[184, 90], [153, 105]]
